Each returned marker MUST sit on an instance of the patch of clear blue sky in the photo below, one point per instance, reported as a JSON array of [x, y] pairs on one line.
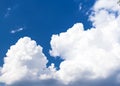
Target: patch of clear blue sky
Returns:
[[40, 19]]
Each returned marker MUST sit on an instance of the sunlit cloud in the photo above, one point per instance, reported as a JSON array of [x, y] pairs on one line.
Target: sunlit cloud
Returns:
[[91, 57]]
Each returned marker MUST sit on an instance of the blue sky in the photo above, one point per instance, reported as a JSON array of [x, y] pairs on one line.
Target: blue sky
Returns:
[[39, 20], [59, 43]]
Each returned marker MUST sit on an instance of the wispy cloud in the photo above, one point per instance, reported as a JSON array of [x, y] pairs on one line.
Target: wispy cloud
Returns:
[[8, 12], [80, 6], [16, 30]]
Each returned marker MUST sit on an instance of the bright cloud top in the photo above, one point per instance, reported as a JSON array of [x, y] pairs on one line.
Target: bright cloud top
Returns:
[[16, 30], [88, 55]]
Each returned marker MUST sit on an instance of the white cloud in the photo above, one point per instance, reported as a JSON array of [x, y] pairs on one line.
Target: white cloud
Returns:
[[91, 57], [23, 61], [104, 12], [0, 70], [16, 30], [92, 54]]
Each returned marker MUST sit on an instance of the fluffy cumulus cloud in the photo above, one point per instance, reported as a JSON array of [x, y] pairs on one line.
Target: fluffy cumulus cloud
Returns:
[[91, 57], [92, 54], [24, 61]]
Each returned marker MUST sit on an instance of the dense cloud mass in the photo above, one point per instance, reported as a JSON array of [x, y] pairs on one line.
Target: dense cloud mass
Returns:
[[24, 61], [91, 57]]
